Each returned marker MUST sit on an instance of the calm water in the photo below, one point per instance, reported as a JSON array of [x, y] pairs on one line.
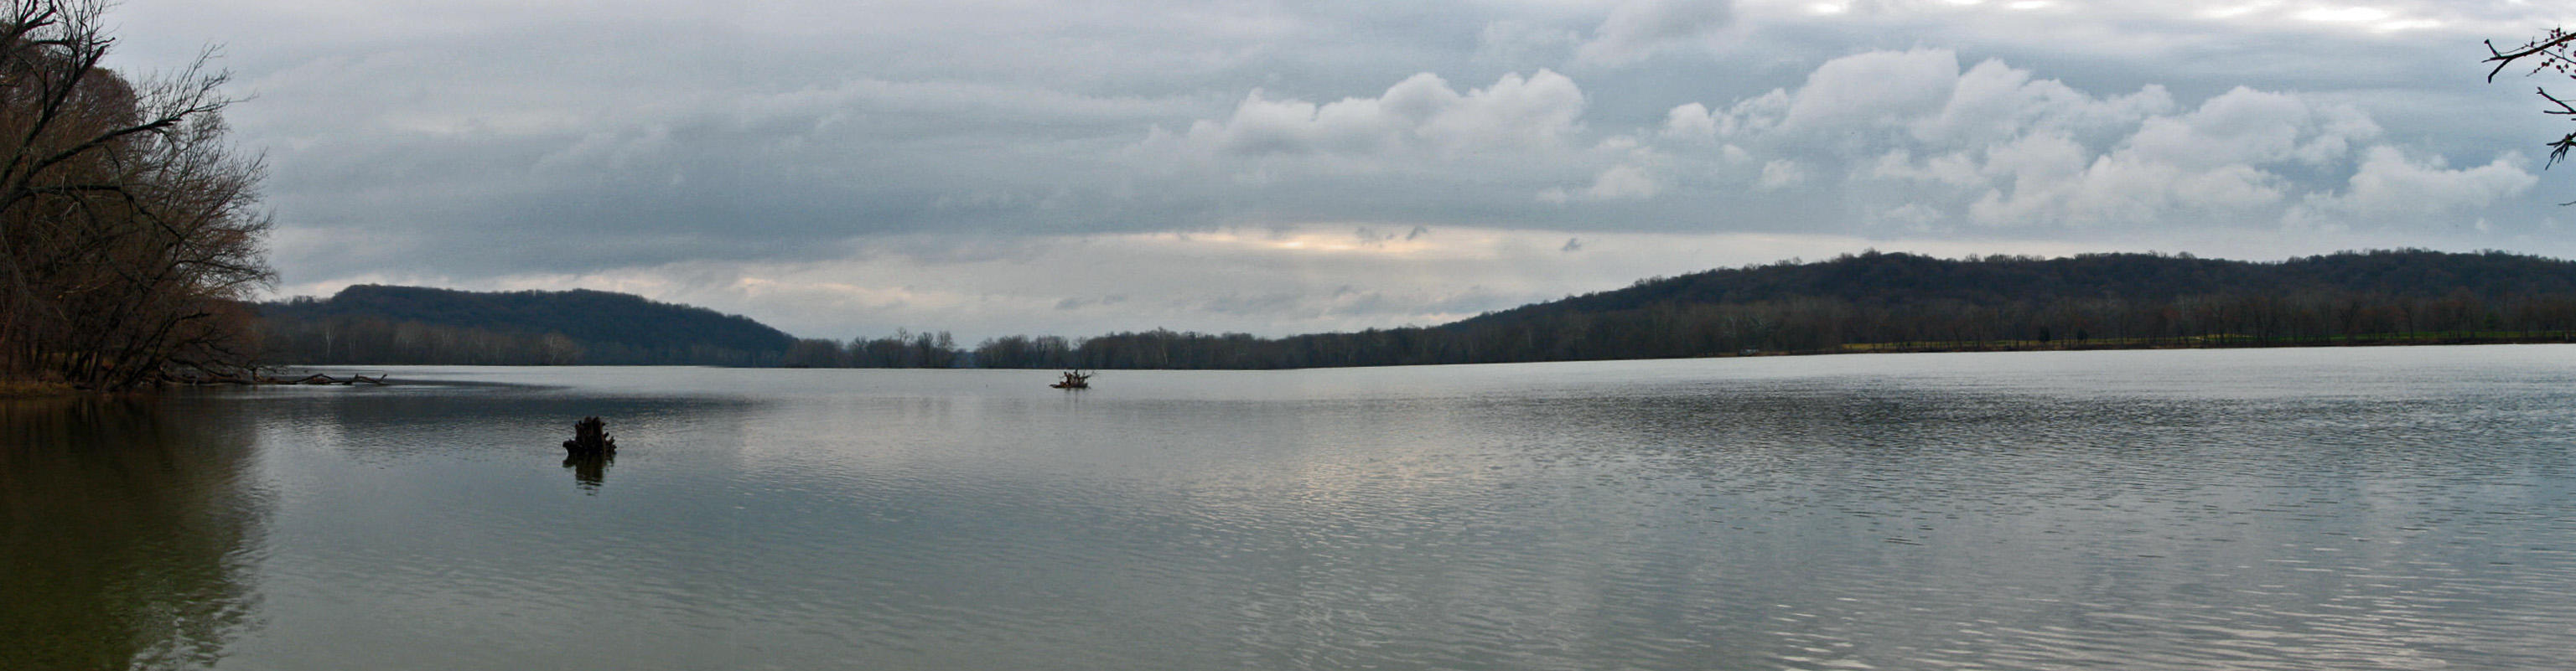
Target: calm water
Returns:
[[2296, 509]]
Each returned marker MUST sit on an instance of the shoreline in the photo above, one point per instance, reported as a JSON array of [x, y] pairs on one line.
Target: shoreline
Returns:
[[2094, 344], [18, 389], [2197, 342]]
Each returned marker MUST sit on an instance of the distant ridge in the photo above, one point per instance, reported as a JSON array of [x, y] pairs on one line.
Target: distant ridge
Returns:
[[378, 324], [1867, 302], [1895, 280], [1894, 302]]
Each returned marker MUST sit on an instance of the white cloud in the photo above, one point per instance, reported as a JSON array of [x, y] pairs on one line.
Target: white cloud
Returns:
[[1637, 29], [1924, 93], [1635, 172], [1994, 102], [1915, 140], [2216, 161], [1624, 181], [1779, 174], [2392, 188], [2244, 126], [1878, 88], [2119, 190], [1418, 117], [1690, 121]]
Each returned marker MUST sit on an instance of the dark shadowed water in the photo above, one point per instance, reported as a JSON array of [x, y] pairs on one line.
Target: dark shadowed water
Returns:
[[2383, 508]]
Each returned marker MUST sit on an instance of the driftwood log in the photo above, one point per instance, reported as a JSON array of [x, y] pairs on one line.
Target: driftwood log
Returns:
[[590, 437], [246, 378], [318, 378]]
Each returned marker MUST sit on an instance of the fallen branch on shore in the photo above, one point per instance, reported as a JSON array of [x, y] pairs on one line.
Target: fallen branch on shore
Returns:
[[318, 378], [254, 379]]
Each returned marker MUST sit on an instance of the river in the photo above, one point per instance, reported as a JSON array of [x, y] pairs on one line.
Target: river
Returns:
[[2345, 508]]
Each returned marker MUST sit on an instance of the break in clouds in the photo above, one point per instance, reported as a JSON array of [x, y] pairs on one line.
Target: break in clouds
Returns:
[[1321, 166]]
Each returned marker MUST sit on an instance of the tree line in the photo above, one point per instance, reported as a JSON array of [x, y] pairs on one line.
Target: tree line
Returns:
[[129, 229], [375, 324], [1855, 303], [1883, 302], [1864, 302]]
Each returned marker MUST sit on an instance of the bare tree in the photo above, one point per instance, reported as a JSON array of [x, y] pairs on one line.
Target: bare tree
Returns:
[[2549, 52], [129, 231]]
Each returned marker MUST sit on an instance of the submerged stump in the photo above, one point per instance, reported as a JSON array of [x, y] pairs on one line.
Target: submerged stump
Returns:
[[590, 438]]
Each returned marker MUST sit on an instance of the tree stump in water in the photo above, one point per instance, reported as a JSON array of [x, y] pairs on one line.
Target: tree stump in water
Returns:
[[590, 437]]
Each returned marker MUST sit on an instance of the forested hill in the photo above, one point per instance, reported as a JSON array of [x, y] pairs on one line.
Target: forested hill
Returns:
[[374, 324], [1889, 281], [1877, 302], [1868, 302]]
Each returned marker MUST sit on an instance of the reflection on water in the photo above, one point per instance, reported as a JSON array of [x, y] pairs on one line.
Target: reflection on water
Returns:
[[589, 469], [123, 530], [2288, 509]]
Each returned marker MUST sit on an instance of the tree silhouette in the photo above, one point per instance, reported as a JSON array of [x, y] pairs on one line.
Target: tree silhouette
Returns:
[[2548, 52], [128, 229]]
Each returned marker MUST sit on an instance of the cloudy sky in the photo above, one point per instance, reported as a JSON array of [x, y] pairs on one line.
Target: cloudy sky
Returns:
[[844, 169]]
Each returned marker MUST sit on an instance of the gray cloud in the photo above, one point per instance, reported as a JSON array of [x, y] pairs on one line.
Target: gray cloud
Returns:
[[836, 166]]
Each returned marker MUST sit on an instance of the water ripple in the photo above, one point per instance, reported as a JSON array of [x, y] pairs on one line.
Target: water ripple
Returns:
[[2351, 509]]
